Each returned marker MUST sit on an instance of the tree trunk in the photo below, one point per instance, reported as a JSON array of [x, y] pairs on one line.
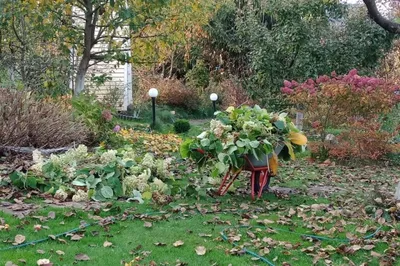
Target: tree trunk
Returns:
[[385, 23], [172, 64], [80, 75]]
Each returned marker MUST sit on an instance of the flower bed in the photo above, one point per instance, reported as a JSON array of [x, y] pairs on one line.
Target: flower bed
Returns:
[[103, 175]]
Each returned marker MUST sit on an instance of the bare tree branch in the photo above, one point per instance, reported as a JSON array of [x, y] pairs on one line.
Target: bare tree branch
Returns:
[[385, 23]]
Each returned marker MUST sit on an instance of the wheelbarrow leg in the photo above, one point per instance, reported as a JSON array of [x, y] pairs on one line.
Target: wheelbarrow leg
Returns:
[[252, 184], [264, 177], [223, 188]]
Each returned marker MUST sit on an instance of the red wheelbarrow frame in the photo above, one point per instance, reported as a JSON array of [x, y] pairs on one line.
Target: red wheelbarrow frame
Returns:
[[263, 172], [230, 177]]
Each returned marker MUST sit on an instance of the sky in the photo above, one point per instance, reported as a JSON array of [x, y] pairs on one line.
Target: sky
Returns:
[[381, 7]]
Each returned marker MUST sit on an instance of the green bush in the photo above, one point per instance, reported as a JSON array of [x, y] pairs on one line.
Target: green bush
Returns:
[[97, 117], [181, 126]]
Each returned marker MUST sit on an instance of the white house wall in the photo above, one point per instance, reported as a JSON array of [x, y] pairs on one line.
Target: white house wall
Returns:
[[120, 74]]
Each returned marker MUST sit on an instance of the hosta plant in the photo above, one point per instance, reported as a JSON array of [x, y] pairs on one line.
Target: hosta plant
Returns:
[[242, 131]]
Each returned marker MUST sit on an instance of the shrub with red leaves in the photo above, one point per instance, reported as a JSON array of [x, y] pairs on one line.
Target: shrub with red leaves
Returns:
[[348, 102]]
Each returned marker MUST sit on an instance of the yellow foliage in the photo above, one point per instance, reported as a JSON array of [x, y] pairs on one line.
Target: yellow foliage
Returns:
[[157, 143], [297, 138], [273, 164]]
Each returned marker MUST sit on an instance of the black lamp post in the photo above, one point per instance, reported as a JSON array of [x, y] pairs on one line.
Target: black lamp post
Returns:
[[214, 98], [153, 93]]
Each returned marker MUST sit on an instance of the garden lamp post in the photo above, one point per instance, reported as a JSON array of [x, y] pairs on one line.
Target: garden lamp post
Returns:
[[214, 98], [153, 93]]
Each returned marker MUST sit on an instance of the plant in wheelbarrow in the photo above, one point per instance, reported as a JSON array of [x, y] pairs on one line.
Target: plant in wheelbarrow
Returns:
[[245, 138]]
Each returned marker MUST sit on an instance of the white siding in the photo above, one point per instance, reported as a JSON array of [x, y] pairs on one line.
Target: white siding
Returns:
[[120, 74]]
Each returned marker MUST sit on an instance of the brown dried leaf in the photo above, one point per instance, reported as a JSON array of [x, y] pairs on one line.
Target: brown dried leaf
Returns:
[[375, 254], [76, 237], [19, 239], [51, 215], [82, 257], [147, 224], [368, 247]]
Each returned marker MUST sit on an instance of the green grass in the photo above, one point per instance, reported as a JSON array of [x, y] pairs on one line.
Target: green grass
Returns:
[[130, 238], [291, 215]]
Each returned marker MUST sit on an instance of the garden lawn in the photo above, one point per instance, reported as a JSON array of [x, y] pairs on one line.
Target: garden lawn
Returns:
[[271, 227]]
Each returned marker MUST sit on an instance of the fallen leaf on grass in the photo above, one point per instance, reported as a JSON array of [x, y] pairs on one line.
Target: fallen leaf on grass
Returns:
[[40, 251], [22, 261], [178, 243], [44, 262], [159, 244], [60, 252], [62, 241], [76, 237], [107, 244], [368, 247], [375, 254], [205, 235], [10, 263], [200, 250], [19, 239], [51, 215], [147, 224], [37, 227], [82, 257]]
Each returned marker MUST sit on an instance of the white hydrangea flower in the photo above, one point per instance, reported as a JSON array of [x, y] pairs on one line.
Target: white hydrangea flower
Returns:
[[145, 175], [136, 169], [129, 183], [142, 187], [160, 185], [148, 161], [37, 168], [61, 194], [37, 156], [70, 171], [108, 157], [80, 195], [55, 159], [162, 168], [129, 155]]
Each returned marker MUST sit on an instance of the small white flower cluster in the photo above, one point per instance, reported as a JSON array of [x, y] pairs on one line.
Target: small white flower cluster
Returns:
[[61, 194], [162, 168], [67, 160], [159, 185], [80, 196], [38, 161], [108, 157], [128, 155], [148, 161], [218, 128], [139, 182]]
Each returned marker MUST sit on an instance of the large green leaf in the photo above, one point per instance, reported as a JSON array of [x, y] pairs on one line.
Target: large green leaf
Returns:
[[184, 149], [107, 192]]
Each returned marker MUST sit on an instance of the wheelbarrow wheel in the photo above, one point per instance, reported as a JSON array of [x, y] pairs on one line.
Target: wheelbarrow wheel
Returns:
[[257, 182]]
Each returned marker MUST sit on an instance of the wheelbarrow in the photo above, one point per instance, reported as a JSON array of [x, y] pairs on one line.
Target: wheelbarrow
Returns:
[[260, 176]]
